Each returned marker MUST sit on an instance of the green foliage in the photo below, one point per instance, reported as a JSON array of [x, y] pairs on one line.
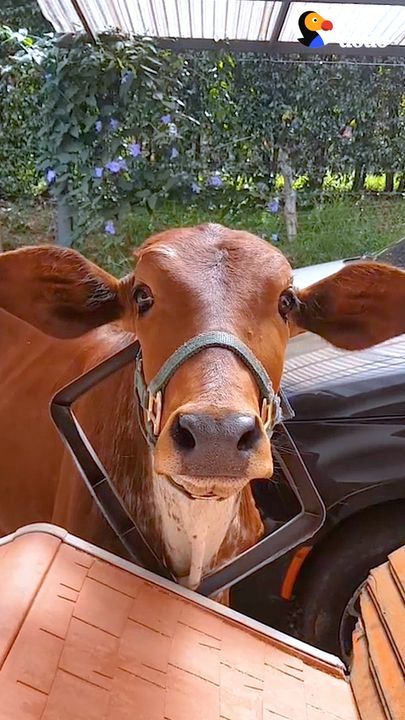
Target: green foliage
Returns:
[[303, 107], [20, 116], [20, 110], [120, 124], [115, 132], [328, 231], [23, 14]]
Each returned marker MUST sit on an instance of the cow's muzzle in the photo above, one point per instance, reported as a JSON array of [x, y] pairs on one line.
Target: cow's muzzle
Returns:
[[213, 454], [151, 396]]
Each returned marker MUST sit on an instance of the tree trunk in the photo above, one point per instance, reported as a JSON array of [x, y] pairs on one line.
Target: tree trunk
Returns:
[[359, 178], [401, 183], [274, 163], [389, 182], [64, 224], [290, 200]]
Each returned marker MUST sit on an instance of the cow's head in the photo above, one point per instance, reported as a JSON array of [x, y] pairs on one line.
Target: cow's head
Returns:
[[212, 440], [193, 281]]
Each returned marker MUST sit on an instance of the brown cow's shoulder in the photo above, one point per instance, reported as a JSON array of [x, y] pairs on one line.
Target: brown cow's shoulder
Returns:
[[33, 461]]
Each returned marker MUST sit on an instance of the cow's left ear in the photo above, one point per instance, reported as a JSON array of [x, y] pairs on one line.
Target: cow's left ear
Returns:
[[57, 290], [360, 306]]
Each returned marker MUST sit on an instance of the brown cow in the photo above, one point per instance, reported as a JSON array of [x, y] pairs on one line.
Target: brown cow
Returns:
[[190, 494]]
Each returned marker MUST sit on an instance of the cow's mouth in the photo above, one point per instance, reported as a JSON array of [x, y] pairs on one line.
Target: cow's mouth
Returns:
[[193, 496], [196, 488]]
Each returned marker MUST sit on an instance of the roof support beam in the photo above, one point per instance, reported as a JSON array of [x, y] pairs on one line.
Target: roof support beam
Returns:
[[397, 3], [83, 19], [280, 22], [278, 48]]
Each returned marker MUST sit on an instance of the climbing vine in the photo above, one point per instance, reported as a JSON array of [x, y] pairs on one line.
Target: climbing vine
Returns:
[[104, 127], [116, 132]]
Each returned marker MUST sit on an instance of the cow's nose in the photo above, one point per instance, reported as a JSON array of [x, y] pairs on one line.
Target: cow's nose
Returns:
[[233, 434], [213, 452]]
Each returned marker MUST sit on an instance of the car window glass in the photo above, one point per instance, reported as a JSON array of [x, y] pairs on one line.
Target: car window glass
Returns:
[[393, 255]]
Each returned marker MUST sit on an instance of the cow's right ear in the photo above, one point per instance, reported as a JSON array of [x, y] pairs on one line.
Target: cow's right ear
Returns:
[[57, 290]]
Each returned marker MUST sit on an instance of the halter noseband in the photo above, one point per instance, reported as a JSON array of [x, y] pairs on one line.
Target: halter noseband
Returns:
[[151, 396]]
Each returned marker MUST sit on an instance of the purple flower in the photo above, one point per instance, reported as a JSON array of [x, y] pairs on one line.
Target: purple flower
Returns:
[[174, 154], [114, 124], [195, 188], [135, 150], [215, 181], [127, 77], [98, 126], [166, 119], [172, 129], [109, 227], [273, 206], [50, 176], [114, 166], [98, 172]]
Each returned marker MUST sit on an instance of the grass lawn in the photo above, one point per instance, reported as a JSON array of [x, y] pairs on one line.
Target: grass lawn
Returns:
[[343, 228]]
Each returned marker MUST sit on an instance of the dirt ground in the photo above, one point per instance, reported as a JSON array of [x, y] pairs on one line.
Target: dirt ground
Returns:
[[25, 225]]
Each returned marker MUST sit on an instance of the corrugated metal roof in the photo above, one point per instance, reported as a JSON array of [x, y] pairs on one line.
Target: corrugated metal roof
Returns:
[[209, 19], [368, 24]]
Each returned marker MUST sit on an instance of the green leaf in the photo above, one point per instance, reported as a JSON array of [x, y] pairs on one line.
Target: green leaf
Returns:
[[151, 201]]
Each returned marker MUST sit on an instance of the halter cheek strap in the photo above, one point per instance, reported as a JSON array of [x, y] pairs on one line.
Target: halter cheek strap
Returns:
[[151, 396]]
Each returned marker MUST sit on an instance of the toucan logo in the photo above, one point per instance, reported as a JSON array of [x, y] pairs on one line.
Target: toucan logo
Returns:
[[310, 23]]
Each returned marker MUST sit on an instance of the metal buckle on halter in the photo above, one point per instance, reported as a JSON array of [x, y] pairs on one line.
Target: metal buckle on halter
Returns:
[[266, 413], [275, 411], [154, 411]]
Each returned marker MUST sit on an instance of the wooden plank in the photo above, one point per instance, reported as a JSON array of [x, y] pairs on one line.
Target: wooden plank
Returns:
[[389, 676], [389, 603], [397, 567], [365, 692]]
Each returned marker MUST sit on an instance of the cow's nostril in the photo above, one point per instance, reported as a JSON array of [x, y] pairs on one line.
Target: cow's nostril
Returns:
[[182, 436], [202, 431], [250, 438]]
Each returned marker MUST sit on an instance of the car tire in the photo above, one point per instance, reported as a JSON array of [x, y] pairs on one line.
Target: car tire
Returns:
[[334, 575]]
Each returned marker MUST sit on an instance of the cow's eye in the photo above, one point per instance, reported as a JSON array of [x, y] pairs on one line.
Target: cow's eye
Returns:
[[287, 302], [143, 298]]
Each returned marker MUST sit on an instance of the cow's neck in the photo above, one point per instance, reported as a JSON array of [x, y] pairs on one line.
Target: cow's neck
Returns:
[[192, 536], [193, 531]]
